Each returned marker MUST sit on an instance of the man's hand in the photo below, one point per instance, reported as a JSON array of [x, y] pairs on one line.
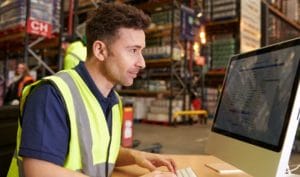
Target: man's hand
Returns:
[[145, 160], [152, 161], [159, 174]]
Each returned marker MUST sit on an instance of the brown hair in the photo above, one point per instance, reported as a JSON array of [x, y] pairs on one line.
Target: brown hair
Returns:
[[109, 18]]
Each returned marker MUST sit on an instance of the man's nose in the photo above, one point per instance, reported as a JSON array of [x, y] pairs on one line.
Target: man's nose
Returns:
[[141, 62]]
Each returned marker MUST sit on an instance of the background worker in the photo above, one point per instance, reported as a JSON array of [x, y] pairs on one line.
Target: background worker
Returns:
[[19, 81], [71, 121], [75, 51]]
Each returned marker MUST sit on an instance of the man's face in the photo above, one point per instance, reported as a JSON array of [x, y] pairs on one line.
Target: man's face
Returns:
[[125, 59]]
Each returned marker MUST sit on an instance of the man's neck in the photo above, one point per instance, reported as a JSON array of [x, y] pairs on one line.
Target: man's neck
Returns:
[[103, 85]]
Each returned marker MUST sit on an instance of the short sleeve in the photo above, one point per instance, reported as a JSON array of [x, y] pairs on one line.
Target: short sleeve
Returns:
[[45, 126]]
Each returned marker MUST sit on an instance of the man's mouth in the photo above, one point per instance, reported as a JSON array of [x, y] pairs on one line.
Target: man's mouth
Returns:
[[134, 74]]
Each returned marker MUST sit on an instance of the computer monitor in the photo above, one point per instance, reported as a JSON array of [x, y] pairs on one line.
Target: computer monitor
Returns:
[[258, 110]]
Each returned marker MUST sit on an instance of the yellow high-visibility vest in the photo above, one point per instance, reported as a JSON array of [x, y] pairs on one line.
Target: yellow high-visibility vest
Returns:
[[75, 53], [92, 150]]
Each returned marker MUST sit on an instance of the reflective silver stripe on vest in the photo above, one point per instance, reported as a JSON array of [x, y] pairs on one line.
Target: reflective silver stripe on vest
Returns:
[[20, 164], [84, 132]]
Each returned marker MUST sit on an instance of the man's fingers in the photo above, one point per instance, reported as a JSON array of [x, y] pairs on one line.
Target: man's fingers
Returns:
[[149, 166], [173, 165], [170, 164]]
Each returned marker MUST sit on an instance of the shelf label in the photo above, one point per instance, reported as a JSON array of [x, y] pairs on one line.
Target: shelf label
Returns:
[[250, 28], [187, 23]]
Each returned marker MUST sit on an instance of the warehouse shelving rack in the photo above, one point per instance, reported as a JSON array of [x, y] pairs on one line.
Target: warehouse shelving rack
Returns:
[[275, 27], [270, 16], [47, 52], [16, 39]]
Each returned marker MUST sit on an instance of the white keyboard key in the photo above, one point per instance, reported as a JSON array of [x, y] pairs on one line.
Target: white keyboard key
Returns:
[[191, 172], [186, 172], [179, 173]]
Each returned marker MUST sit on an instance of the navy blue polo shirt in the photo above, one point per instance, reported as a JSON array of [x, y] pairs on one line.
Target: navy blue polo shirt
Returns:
[[45, 124]]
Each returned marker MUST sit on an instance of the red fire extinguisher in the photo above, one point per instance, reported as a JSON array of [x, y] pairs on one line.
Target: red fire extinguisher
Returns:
[[127, 128]]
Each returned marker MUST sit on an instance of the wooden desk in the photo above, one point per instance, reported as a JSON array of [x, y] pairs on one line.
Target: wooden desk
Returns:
[[195, 161]]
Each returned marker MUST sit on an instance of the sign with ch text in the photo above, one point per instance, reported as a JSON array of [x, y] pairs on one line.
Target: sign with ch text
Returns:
[[39, 28], [40, 18]]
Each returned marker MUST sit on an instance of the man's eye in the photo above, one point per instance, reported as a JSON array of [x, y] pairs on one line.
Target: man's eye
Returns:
[[133, 50]]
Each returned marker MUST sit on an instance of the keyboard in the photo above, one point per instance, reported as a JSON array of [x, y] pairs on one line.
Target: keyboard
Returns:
[[186, 172]]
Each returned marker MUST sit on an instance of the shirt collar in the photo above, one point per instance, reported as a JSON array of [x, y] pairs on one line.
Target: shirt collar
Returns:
[[82, 71]]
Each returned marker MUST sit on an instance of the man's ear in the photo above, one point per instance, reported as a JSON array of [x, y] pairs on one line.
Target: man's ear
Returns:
[[100, 50]]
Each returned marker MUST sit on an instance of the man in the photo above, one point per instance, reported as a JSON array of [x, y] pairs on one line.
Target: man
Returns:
[[20, 80], [71, 122]]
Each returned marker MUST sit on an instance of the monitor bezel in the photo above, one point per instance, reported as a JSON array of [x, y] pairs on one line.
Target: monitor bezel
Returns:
[[274, 47]]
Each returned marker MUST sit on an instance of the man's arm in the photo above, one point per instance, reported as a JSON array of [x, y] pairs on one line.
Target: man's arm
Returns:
[[144, 159], [125, 157], [38, 168]]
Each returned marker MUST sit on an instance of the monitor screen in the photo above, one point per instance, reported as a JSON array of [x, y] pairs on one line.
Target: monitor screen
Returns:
[[255, 102], [258, 110]]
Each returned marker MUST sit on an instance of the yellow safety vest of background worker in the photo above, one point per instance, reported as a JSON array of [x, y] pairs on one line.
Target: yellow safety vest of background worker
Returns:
[[97, 145], [75, 52]]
